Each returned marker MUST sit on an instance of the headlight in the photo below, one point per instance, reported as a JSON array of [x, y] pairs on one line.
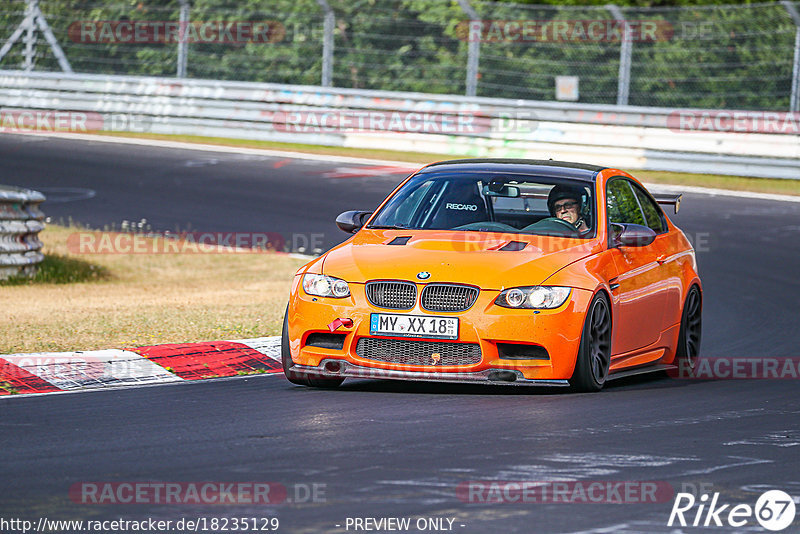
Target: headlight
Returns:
[[535, 297], [321, 285]]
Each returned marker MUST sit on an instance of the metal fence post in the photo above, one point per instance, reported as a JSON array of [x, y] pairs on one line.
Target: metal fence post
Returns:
[[183, 43], [30, 34], [474, 50], [327, 44], [794, 99], [33, 18], [625, 52]]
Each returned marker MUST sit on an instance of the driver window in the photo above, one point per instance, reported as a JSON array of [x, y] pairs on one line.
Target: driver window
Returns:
[[621, 203]]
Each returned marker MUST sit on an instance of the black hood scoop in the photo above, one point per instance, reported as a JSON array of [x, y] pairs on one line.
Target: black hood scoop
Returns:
[[513, 246], [399, 240]]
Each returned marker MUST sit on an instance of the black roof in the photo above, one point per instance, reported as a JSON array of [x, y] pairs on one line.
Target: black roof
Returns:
[[538, 167]]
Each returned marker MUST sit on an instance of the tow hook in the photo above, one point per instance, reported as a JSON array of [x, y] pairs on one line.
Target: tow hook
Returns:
[[347, 323]]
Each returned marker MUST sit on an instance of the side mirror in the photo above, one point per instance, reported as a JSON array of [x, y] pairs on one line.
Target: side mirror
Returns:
[[631, 235], [351, 221]]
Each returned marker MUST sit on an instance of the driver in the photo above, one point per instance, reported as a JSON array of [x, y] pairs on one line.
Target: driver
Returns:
[[564, 202]]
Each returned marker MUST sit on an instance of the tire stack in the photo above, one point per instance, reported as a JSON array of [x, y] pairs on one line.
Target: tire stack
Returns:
[[21, 220]]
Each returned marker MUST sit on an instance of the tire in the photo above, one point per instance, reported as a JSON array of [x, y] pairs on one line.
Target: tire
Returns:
[[688, 351], [301, 379], [594, 353]]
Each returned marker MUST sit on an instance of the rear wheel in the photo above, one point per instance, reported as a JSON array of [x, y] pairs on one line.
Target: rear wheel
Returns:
[[594, 353], [688, 352], [301, 379]]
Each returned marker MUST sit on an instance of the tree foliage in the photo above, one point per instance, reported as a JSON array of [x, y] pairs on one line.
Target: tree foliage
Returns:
[[712, 55]]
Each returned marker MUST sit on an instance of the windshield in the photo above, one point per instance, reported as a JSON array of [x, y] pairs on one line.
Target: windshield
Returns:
[[492, 203]]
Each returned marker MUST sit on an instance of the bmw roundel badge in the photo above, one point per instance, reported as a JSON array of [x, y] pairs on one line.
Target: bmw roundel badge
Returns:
[[424, 275]]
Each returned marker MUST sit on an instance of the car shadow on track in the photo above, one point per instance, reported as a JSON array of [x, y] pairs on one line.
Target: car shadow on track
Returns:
[[657, 380]]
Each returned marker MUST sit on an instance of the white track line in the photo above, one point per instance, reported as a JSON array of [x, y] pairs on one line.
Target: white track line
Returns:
[[224, 149]]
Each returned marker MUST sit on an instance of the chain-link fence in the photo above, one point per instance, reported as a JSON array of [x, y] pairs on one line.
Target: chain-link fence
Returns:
[[733, 57]]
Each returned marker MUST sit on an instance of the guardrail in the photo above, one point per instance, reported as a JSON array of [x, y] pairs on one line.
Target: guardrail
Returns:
[[623, 136], [20, 224]]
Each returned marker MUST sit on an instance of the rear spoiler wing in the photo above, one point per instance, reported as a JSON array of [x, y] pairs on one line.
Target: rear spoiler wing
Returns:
[[669, 200]]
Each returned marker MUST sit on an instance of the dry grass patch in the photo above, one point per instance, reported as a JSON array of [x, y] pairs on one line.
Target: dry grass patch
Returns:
[[145, 299]]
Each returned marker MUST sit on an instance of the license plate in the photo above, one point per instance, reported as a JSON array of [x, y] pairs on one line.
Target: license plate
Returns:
[[389, 324]]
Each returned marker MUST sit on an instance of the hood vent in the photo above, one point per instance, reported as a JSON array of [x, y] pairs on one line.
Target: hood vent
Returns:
[[399, 240], [513, 246]]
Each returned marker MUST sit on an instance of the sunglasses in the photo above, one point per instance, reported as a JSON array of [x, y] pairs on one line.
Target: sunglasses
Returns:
[[565, 206]]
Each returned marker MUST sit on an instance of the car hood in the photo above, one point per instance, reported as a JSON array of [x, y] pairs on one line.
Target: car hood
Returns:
[[463, 257]]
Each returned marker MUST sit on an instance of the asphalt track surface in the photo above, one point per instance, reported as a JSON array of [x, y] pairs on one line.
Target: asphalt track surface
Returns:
[[400, 449]]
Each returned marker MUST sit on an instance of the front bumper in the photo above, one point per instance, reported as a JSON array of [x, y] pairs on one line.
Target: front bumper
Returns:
[[486, 324], [493, 376]]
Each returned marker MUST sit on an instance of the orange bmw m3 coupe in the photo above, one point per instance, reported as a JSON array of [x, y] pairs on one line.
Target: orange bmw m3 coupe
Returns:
[[516, 272]]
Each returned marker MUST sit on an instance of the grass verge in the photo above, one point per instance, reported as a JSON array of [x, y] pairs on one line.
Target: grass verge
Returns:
[[61, 269], [736, 183], [128, 300]]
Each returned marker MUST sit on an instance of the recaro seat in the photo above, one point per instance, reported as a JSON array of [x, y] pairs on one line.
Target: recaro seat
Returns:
[[460, 206]]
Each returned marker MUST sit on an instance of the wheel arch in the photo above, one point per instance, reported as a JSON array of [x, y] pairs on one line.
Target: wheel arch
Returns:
[[579, 380], [606, 292]]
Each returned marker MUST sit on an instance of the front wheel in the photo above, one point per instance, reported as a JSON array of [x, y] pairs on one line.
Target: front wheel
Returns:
[[594, 353], [301, 379]]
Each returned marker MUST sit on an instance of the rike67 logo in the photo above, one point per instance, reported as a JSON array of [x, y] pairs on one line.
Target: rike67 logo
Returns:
[[774, 510]]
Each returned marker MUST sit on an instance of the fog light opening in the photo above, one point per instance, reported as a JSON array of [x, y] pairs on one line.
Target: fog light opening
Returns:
[[333, 367], [503, 376]]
